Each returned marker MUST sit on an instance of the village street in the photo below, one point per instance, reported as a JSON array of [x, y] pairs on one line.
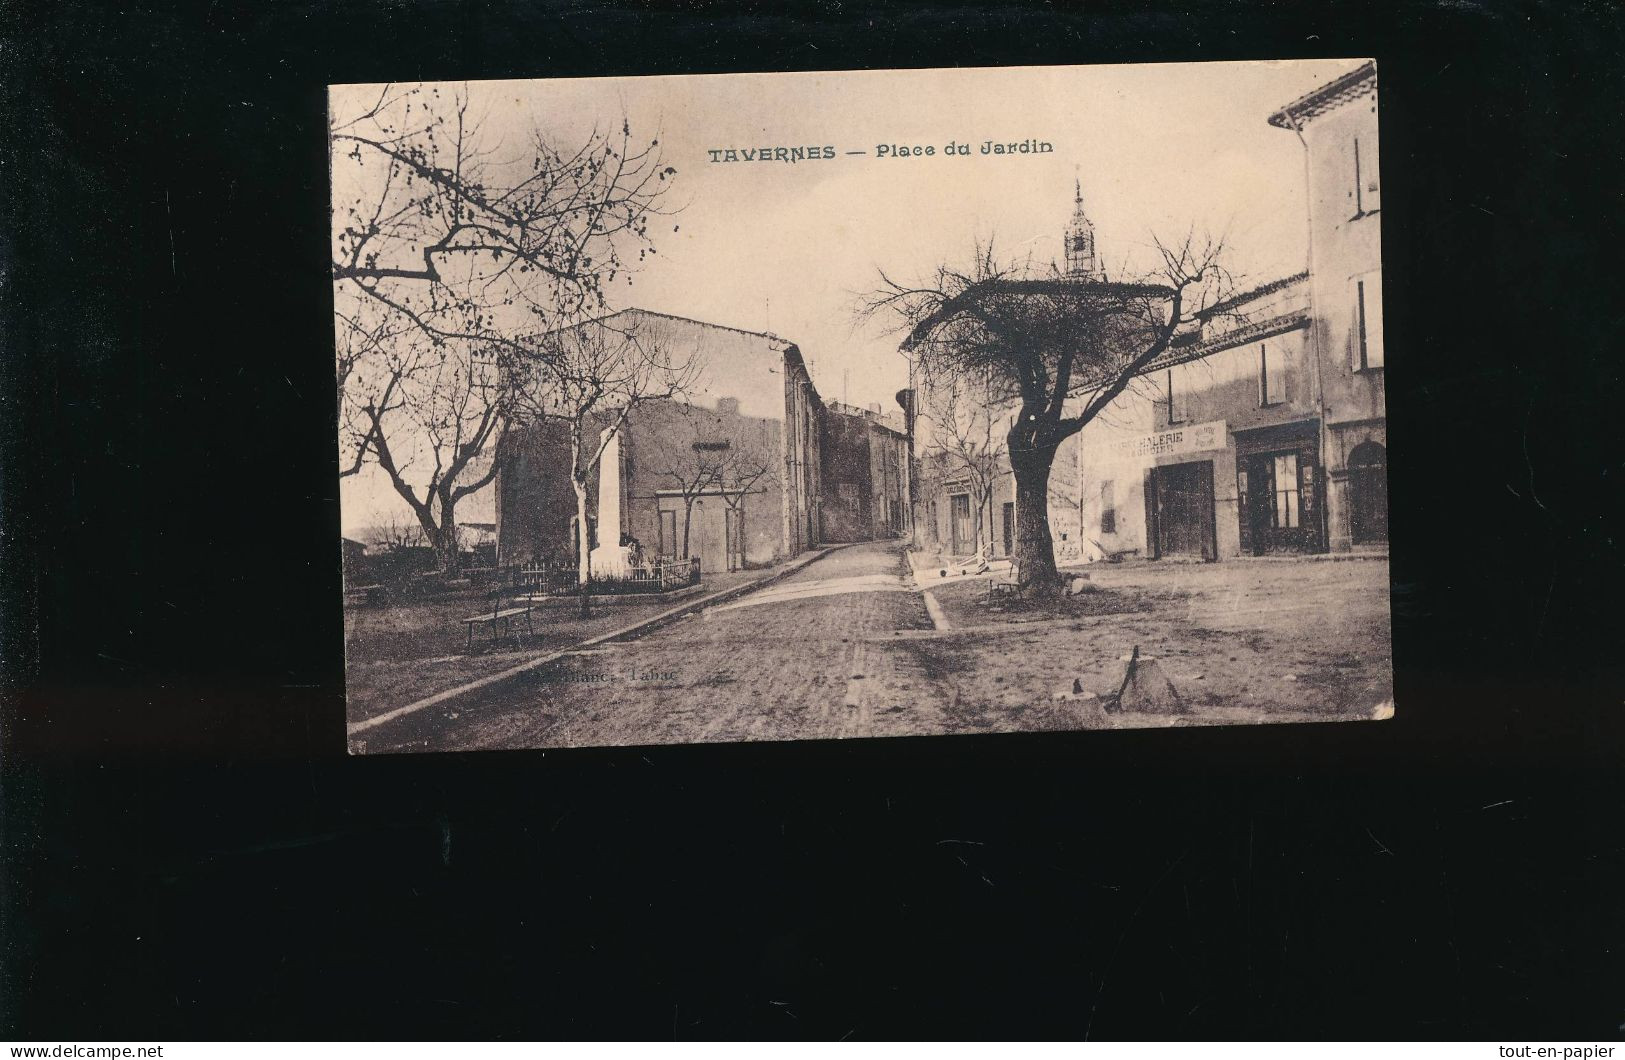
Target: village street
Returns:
[[847, 647]]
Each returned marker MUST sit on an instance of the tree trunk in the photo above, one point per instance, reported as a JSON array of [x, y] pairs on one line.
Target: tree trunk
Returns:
[[443, 539], [431, 536], [451, 557], [447, 549], [688, 520], [981, 506], [583, 542], [1035, 550]]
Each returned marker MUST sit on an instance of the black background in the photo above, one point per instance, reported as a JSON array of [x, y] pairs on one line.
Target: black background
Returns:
[[189, 853]]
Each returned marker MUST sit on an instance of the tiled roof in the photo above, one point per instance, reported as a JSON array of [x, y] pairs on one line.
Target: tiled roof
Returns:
[[1262, 329], [690, 320], [1356, 84], [1247, 296]]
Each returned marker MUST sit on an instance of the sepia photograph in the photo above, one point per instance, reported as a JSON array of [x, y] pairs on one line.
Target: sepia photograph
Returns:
[[835, 521], [800, 406]]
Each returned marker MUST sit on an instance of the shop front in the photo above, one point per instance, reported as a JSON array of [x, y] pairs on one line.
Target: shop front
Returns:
[[1279, 488]]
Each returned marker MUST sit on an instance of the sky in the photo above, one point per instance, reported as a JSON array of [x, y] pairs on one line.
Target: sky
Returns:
[[790, 247]]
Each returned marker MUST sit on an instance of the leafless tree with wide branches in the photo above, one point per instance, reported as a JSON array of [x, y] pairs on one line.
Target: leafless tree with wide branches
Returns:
[[453, 246], [966, 439], [1051, 349]]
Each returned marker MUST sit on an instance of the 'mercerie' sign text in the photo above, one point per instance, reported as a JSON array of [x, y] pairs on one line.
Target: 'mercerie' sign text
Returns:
[[1196, 438]]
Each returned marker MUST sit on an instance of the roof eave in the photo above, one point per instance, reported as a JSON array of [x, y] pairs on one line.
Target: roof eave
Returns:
[[1312, 105]]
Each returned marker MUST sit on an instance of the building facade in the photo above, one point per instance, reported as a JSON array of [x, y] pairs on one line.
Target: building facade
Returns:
[[741, 471], [1266, 431], [1214, 452], [1337, 126], [727, 473], [864, 456], [1262, 430]]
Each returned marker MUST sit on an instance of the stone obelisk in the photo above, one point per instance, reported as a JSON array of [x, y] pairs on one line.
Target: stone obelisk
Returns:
[[609, 558]]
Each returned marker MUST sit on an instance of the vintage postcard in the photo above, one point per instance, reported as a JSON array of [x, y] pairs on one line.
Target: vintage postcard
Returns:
[[860, 404]]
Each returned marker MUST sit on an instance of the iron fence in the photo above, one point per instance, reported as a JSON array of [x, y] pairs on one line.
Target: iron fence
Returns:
[[563, 579]]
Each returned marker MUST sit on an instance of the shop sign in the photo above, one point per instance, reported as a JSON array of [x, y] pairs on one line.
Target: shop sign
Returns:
[[1194, 438]]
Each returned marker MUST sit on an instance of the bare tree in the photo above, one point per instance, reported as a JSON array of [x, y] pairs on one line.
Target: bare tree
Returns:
[[591, 377], [740, 474], [361, 340], [394, 532], [714, 466], [452, 246], [966, 437], [1052, 349], [695, 477], [433, 418], [463, 232]]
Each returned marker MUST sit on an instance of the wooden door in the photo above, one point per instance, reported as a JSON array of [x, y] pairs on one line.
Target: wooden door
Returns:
[[959, 528], [1183, 498], [1368, 494], [669, 541], [708, 534]]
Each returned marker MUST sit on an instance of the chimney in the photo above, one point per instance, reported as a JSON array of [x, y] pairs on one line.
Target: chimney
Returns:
[[727, 406], [874, 407]]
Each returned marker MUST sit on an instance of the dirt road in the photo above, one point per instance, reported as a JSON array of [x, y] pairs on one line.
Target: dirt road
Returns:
[[846, 647]]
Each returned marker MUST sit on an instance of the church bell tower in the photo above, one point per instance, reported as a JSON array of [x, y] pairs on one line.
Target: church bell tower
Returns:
[[1082, 263]]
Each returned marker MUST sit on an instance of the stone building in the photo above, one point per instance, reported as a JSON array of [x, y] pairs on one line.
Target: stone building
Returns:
[[728, 473], [864, 456], [1337, 126], [1266, 431], [748, 468], [1262, 430], [1213, 452]]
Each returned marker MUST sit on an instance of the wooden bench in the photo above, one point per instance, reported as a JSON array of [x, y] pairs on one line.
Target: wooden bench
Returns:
[[498, 613], [1012, 584]]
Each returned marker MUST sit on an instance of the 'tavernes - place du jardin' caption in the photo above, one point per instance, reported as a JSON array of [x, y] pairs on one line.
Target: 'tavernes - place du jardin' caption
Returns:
[[825, 152]]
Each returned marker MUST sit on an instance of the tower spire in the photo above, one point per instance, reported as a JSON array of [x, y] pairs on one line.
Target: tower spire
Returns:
[[1081, 261]]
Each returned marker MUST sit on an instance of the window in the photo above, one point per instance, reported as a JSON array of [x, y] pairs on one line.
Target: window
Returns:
[[1359, 194], [1176, 411], [1108, 509], [1285, 498], [959, 528], [1366, 192], [1271, 376], [1367, 351]]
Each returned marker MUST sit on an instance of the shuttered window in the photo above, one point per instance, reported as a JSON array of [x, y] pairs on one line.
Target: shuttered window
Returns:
[[1367, 338]]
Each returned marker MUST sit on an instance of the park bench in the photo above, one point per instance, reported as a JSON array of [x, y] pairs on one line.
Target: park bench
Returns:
[[504, 607], [1012, 584]]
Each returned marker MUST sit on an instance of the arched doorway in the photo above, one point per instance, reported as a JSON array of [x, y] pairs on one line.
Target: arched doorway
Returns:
[[1368, 494]]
